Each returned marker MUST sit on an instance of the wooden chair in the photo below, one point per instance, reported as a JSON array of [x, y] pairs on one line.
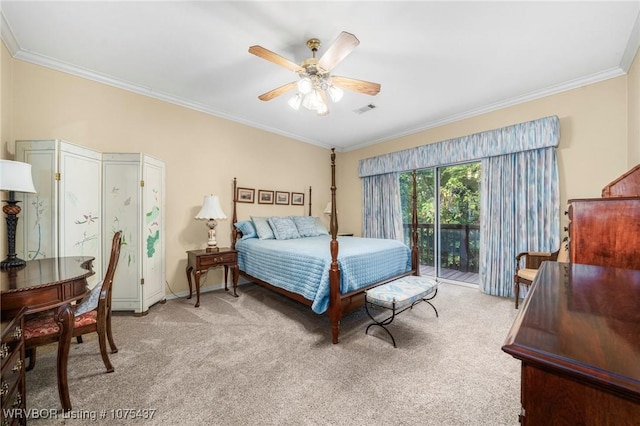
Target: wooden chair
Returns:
[[92, 315], [532, 261]]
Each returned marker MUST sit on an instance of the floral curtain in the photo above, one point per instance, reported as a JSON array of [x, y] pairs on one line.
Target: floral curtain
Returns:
[[520, 211], [381, 207], [519, 192]]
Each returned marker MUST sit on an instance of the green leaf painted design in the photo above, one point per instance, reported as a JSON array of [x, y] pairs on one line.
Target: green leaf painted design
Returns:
[[151, 243]]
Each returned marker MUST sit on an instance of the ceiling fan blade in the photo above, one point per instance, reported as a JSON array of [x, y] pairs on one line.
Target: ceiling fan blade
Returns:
[[275, 58], [339, 50], [277, 92], [361, 86]]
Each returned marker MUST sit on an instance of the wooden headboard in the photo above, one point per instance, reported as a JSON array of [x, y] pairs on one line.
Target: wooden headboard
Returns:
[[627, 185]]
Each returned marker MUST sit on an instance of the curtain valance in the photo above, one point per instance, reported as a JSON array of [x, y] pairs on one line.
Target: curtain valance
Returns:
[[541, 133]]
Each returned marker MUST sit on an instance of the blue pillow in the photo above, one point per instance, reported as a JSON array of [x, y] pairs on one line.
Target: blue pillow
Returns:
[[263, 228], [284, 228], [322, 230], [306, 226], [247, 229]]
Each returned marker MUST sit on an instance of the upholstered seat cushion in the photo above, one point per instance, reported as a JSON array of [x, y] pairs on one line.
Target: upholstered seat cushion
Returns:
[[402, 291], [45, 325], [527, 274]]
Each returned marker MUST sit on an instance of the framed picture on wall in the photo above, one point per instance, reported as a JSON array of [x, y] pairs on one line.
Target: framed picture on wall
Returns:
[[282, 197], [265, 197], [297, 199], [245, 195]]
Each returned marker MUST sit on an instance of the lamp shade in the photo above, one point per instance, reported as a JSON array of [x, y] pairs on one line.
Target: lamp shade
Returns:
[[16, 176], [211, 208], [327, 210]]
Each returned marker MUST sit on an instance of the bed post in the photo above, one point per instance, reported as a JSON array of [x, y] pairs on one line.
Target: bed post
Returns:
[[415, 255], [335, 302], [310, 202], [234, 219]]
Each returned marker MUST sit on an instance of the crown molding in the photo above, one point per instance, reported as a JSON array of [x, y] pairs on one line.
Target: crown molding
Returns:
[[632, 46], [7, 35]]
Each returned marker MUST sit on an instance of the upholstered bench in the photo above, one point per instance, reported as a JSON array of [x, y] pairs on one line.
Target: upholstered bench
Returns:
[[398, 296]]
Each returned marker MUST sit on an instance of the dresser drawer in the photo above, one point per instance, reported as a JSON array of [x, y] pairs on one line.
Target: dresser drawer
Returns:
[[12, 379], [11, 411], [217, 259], [11, 374], [11, 338]]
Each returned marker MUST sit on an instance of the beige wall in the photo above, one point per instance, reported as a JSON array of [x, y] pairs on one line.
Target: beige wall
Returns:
[[202, 153], [596, 144]]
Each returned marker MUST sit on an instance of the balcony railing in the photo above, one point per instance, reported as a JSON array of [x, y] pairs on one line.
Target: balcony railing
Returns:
[[459, 245]]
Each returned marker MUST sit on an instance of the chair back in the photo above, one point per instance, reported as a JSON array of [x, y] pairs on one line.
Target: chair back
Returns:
[[107, 283]]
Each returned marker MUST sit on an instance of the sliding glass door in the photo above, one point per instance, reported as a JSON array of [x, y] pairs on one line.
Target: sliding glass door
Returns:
[[448, 220]]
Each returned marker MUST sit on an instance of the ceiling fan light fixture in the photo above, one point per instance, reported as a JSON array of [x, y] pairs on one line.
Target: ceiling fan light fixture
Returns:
[[322, 109], [335, 93], [295, 101], [312, 100], [315, 82], [305, 85]]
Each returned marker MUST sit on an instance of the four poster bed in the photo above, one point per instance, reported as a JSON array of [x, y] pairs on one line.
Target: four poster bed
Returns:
[[301, 268]]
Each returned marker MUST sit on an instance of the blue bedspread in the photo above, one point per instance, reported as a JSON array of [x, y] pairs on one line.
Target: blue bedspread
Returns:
[[302, 265]]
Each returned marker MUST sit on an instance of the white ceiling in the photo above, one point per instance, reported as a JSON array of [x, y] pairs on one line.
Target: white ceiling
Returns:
[[437, 62]]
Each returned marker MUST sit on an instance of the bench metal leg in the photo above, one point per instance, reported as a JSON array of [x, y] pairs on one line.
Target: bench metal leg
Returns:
[[427, 300], [382, 324]]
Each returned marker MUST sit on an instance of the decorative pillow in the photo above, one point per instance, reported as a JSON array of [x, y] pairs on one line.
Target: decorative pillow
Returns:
[[284, 228], [263, 228], [90, 302], [322, 230], [247, 229], [306, 226]]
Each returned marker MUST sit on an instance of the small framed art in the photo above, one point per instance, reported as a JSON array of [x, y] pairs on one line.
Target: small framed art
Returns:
[[265, 197], [245, 195], [297, 199], [282, 197]]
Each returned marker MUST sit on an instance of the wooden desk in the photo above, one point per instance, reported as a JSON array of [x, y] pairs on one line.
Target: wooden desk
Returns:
[[200, 261], [578, 337], [44, 284]]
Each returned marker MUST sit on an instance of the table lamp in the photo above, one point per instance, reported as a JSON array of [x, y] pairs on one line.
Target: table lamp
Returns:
[[211, 211], [14, 177], [327, 210]]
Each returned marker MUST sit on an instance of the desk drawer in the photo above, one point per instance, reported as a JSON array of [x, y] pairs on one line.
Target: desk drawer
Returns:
[[217, 259]]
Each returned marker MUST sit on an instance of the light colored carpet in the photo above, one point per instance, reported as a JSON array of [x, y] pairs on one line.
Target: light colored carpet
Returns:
[[262, 359]]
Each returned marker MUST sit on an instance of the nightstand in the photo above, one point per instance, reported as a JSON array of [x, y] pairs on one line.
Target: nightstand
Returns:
[[345, 234], [200, 261]]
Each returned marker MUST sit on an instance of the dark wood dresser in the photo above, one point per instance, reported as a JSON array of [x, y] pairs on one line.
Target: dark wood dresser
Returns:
[[578, 337], [606, 231], [13, 372]]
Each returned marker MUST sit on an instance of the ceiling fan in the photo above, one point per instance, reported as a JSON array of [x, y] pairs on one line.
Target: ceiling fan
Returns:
[[316, 80]]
